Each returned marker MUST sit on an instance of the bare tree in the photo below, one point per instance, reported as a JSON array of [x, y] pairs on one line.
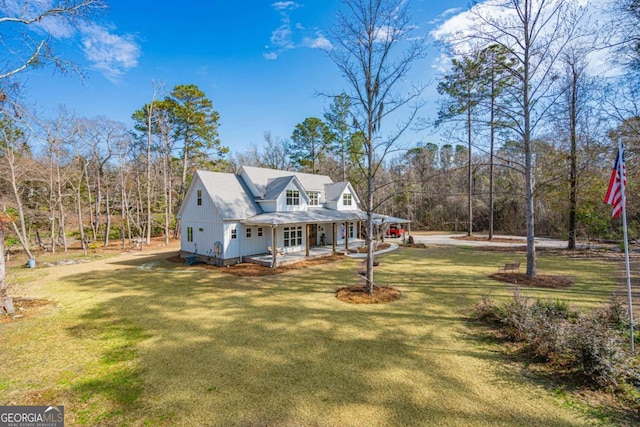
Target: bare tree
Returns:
[[365, 47], [21, 21], [535, 33]]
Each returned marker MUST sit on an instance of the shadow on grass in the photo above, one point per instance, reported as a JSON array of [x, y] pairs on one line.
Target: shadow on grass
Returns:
[[203, 348]]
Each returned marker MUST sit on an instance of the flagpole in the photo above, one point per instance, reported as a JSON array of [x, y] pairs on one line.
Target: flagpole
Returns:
[[626, 240]]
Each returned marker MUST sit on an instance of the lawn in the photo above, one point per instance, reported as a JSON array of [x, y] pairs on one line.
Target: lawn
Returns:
[[142, 341]]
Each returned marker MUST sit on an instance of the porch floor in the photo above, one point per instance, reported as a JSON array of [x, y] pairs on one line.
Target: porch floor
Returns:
[[299, 256]]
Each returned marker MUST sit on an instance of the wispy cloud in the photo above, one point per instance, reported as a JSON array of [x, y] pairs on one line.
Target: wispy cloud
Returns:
[[285, 5], [110, 54], [284, 37]]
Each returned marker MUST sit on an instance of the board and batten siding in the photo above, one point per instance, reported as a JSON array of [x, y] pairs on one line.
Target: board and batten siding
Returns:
[[281, 201], [204, 220]]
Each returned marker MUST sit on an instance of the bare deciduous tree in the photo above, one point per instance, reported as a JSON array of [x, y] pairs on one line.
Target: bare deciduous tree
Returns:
[[373, 49]]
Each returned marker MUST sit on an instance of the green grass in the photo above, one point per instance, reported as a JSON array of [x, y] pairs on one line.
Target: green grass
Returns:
[[176, 345]]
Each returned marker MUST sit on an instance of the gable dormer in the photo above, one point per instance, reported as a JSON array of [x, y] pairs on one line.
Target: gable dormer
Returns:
[[284, 194], [341, 197]]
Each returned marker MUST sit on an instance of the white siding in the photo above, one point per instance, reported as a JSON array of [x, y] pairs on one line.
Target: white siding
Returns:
[[255, 244], [269, 206], [342, 207], [282, 200], [203, 219]]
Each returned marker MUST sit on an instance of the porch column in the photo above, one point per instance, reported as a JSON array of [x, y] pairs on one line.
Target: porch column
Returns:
[[346, 235], [308, 233], [274, 247], [333, 241]]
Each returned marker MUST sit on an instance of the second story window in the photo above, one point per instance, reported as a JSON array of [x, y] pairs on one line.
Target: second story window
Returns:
[[313, 198], [346, 199], [293, 197], [234, 233], [248, 233], [199, 198]]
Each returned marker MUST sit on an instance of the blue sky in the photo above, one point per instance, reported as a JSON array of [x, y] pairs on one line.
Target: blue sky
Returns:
[[258, 61]]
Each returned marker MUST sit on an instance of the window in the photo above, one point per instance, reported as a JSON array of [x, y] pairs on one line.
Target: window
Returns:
[[313, 198], [201, 229], [199, 199], [234, 233], [190, 234], [293, 197], [259, 231], [350, 229], [292, 236], [346, 199], [248, 233]]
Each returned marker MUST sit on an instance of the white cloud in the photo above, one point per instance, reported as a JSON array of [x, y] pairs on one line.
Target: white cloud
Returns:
[[281, 37], [318, 42], [460, 30], [110, 54], [285, 5], [270, 56]]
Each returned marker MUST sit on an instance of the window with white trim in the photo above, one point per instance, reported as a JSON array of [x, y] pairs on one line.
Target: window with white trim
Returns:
[[259, 231], [190, 234], [248, 233], [346, 199], [234, 233], [292, 236], [199, 198], [314, 198], [293, 197]]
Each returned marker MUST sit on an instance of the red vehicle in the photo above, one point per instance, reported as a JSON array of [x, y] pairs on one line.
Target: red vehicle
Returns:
[[395, 231]]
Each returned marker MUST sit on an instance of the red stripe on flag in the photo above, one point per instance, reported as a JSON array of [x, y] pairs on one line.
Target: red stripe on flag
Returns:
[[614, 191]]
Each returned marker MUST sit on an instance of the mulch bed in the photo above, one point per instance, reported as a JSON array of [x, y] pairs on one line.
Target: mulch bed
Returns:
[[358, 295], [246, 269], [540, 281], [363, 249]]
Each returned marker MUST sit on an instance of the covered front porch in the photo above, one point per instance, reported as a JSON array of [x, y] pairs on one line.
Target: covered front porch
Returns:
[[288, 258]]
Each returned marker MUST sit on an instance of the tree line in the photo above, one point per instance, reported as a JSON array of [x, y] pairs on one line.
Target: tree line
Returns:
[[528, 132]]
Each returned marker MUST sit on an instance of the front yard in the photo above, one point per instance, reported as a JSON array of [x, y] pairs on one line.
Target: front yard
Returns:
[[138, 340]]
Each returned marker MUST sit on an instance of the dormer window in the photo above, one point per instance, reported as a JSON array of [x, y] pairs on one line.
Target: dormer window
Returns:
[[346, 199], [293, 197], [313, 198], [199, 198]]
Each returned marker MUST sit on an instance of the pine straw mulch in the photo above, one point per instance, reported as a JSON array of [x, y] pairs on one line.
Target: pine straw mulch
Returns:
[[363, 249], [358, 295], [25, 307], [540, 281], [246, 269]]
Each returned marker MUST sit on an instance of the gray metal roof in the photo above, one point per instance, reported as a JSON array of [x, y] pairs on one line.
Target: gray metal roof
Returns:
[[261, 176], [229, 194], [334, 191], [319, 215]]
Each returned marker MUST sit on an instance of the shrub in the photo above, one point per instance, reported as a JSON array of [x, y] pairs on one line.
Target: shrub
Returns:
[[517, 316], [547, 333], [487, 310], [597, 350], [614, 314], [590, 345]]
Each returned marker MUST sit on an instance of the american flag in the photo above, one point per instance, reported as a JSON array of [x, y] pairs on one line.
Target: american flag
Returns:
[[614, 192]]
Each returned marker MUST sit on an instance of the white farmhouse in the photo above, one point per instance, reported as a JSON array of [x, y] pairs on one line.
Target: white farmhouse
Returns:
[[262, 215]]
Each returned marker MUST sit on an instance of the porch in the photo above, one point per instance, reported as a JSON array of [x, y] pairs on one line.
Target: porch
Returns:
[[289, 258]]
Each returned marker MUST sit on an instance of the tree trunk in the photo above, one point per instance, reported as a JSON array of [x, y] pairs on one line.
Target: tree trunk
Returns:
[[573, 179]]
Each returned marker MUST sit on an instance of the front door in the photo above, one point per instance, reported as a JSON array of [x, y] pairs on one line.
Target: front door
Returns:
[[313, 234]]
